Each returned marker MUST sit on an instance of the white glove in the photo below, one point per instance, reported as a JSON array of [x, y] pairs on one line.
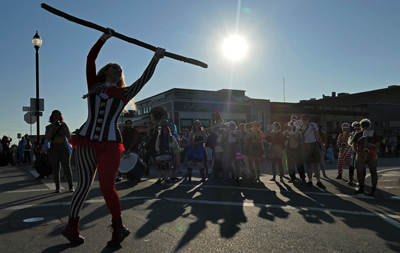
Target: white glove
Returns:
[[108, 34], [159, 53]]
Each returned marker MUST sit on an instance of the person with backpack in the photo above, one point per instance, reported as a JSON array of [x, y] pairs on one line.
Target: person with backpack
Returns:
[[60, 150]]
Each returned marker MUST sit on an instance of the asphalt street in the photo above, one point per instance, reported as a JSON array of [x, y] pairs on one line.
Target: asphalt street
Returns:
[[253, 217]]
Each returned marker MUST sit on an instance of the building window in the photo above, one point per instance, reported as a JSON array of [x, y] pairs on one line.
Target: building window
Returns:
[[186, 124], [205, 123]]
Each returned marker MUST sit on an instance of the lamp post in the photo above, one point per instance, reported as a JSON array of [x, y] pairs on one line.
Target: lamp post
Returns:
[[37, 42]]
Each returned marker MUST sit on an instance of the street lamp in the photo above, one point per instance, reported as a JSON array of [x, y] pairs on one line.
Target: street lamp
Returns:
[[37, 42]]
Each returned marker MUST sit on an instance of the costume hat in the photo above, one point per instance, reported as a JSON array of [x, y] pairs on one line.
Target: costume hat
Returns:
[[218, 116]]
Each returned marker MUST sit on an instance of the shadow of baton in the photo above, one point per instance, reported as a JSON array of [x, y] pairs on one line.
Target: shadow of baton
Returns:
[[121, 36]]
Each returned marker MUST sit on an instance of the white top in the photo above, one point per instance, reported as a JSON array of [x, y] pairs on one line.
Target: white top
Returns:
[[310, 134]]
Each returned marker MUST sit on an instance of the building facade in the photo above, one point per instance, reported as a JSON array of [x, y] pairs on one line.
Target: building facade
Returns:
[[184, 106]]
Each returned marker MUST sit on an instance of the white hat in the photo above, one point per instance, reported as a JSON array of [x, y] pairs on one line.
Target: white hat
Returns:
[[230, 123], [345, 124], [270, 128]]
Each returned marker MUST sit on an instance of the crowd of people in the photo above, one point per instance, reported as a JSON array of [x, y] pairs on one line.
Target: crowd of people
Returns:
[[237, 151]]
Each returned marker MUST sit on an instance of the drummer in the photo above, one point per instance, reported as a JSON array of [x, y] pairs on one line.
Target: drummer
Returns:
[[129, 140], [164, 149]]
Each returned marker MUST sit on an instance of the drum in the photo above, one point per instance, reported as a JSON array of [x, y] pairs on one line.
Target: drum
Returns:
[[132, 167], [163, 161]]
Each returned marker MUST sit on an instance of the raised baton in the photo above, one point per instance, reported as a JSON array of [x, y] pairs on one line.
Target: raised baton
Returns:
[[121, 36]]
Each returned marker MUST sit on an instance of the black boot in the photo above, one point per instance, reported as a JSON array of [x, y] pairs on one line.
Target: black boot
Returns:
[[360, 190], [71, 231], [120, 232], [203, 176], [372, 193], [189, 175], [351, 175], [339, 176], [258, 175]]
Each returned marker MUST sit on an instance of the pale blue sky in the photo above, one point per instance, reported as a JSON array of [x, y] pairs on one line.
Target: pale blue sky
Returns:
[[319, 47]]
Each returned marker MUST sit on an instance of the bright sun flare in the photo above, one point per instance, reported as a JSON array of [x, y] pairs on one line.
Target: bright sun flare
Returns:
[[234, 47]]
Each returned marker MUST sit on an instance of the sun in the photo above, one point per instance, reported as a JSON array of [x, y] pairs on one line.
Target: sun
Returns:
[[234, 47]]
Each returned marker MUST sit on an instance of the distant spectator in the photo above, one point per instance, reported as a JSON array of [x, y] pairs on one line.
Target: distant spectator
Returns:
[[7, 156], [21, 149], [27, 151], [60, 150]]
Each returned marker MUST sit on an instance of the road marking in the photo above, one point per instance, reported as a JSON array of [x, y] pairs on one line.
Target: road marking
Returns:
[[390, 218], [46, 182], [328, 194], [380, 171], [387, 180], [22, 191], [389, 187]]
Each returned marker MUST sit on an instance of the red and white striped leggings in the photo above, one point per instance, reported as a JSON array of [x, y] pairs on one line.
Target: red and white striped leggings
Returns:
[[343, 162], [106, 162]]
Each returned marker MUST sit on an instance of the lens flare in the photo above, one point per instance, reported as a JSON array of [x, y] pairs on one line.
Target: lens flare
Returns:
[[234, 47]]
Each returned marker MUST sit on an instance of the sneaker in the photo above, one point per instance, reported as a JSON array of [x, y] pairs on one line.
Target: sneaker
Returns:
[[359, 191], [158, 181], [320, 185], [40, 177], [272, 179], [350, 183], [292, 180], [339, 176], [72, 189], [309, 184], [118, 179], [167, 181], [325, 176], [58, 191]]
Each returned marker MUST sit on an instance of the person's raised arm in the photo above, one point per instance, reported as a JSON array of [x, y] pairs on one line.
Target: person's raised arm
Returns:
[[91, 76], [134, 89]]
